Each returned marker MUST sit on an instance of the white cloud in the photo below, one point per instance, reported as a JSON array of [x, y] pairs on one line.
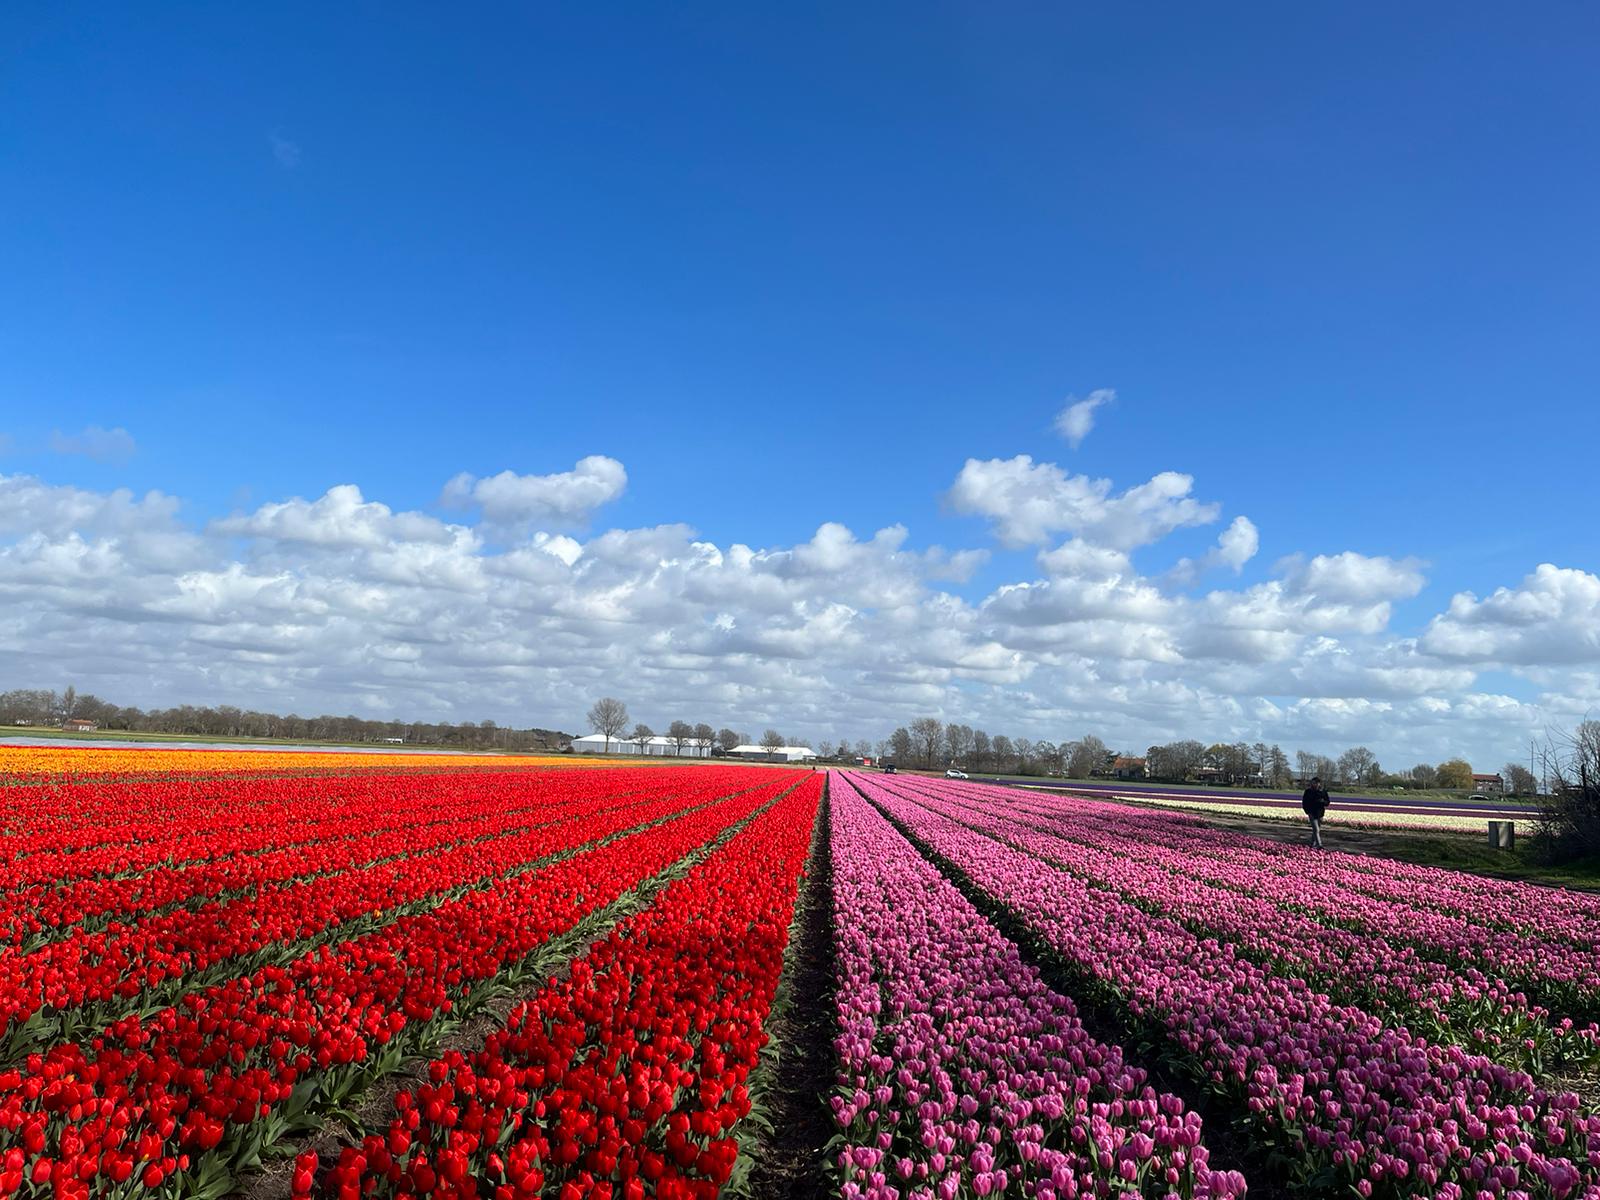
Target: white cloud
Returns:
[[342, 603], [1356, 578], [1236, 545], [285, 153], [1076, 420], [1551, 618], [340, 518], [1029, 501], [513, 500], [102, 445]]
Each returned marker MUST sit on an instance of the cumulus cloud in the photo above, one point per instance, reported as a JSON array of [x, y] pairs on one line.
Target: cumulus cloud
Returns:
[[1551, 618], [1028, 502], [1356, 578], [1236, 545], [1076, 420], [509, 499], [102, 445], [340, 518], [342, 602]]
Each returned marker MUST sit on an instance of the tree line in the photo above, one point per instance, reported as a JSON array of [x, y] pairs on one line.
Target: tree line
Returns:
[[931, 744], [42, 708], [609, 718]]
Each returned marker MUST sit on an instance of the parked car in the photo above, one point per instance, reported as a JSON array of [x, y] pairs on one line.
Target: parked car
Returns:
[[952, 773], [888, 769]]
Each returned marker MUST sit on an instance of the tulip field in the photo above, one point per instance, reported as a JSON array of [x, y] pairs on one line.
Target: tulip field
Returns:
[[239, 973]]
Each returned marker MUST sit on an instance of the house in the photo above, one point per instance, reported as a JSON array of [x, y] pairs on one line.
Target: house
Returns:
[[656, 747], [776, 754], [1489, 785], [79, 725], [1129, 768]]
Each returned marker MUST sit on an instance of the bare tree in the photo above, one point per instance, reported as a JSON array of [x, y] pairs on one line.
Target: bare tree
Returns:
[[981, 749], [728, 739], [1023, 749], [927, 733], [1086, 757], [958, 742], [1569, 820], [1519, 779], [681, 733], [1000, 748], [901, 746], [641, 736], [771, 740], [1425, 775], [1358, 765], [608, 717], [863, 748]]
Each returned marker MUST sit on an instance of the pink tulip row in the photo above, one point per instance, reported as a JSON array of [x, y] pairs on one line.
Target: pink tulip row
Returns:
[[1235, 904], [1545, 957], [1498, 904], [962, 1074], [1382, 1110]]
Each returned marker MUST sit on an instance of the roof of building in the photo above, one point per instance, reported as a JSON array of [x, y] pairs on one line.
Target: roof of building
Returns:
[[773, 750], [657, 740], [1496, 775]]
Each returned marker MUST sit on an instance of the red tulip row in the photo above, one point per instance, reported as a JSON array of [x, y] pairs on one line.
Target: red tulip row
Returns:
[[628, 1077], [155, 960], [433, 816], [157, 1098], [116, 830]]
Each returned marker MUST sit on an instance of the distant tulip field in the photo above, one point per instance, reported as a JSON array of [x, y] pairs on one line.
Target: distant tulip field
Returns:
[[292, 975]]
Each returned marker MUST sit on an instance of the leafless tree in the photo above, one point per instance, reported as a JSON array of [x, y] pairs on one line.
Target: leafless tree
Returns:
[[1086, 757], [608, 717], [641, 736], [927, 733], [1569, 818], [771, 740], [1520, 781]]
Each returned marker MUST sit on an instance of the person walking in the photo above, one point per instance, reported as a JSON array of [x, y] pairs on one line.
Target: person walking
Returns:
[[1315, 802]]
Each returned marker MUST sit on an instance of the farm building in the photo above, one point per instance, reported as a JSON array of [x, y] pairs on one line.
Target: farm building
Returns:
[[1489, 785], [1129, 768], [663, 747], [79, 725], [776, 754]]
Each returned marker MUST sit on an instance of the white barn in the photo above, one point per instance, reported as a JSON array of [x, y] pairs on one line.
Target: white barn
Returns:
[[660, 747], [777, 754]]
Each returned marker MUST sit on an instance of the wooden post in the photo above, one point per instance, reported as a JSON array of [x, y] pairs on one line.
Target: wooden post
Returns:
[[1502, 835]]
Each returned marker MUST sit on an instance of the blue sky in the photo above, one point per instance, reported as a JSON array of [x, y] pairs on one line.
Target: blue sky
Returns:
[[1338, 263]]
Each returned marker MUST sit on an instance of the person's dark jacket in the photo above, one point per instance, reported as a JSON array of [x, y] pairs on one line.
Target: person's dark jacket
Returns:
[[1315, 801]]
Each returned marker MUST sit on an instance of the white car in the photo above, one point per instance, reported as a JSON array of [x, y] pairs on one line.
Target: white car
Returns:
[[952, 773]]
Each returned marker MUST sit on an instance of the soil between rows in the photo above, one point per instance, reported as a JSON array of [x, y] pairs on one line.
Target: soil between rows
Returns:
[[790, 1163]]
